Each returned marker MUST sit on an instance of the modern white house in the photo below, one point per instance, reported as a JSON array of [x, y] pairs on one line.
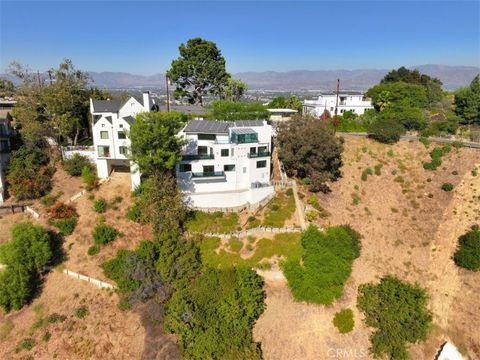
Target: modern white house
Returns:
[[225, 164], [347, 101], [281, 114], [111, 122]]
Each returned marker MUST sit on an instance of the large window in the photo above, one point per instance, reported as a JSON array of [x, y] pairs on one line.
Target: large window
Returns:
[[123, 150], [185, 167], [208, 168], [103, 151], [228, 167], [207, 137], [253, 150], [103, 134], [122, 135], [261, 164], [224, 152], [202, 150], [262, 149]]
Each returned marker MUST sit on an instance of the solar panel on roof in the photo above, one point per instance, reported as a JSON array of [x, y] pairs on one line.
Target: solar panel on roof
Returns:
[[244, 130]]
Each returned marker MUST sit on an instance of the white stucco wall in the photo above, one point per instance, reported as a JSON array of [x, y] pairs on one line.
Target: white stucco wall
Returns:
[[228, 199]]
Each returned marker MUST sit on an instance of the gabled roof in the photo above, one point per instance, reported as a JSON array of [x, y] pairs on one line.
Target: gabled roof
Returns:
[[107, 105], [129, 119]]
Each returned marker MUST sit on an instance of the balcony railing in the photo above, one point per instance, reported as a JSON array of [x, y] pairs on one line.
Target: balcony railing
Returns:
[[198, 157], [259, 155], [208, 174]]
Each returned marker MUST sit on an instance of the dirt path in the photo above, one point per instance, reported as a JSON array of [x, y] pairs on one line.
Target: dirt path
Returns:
[[445, 282]]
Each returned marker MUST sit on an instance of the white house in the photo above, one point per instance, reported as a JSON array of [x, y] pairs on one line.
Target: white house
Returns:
[[225, 164], [281, 114], [347, 101], [111, 122]]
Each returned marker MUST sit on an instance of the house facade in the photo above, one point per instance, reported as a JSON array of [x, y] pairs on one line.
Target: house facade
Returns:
[[225, 164], [5, 135], [353, 101], [111, 123]]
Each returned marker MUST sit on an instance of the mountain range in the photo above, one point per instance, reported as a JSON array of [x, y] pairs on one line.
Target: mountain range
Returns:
[[452, 77]]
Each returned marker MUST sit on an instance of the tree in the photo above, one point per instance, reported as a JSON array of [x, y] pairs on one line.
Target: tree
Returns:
[[234, 90], [309, 149], [155, 145], [386, 94], [6, 88], [28, 174], [199, 71], [399, 313], [467, 101], [280, 102], [468, 251], [410, 117], [386, 129], [231, 111]]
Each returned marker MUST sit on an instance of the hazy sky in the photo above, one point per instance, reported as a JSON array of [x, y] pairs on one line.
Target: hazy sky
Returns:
[[143, 37]]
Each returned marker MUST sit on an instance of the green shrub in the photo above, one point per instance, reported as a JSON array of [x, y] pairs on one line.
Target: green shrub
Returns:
[[213, 318], [235, 244], [399, 313], [386, 130], [378, 169], [289, 192], [103, 234], [325, 266], [390, 153], [27, 344], [216, 222], [81, 312], [447, 186], [279, 210], [365, 173], [467, 254], [66, 226], [46, 336], [89, 178], [134, 214], [100, 205], [93, 250], [458, 144], [56, 318], [424, 140], [474, 172], [312, 215], [75, 164], [343, 321], [117, 200]]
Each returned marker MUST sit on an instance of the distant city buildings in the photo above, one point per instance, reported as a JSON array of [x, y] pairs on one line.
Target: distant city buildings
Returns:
[[353, 101]]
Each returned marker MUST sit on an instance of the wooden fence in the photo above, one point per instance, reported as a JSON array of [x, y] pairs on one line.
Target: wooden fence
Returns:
[[96, 282]]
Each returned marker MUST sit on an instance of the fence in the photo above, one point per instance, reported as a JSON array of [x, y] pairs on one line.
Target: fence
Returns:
[[12, 209], [96, 282]]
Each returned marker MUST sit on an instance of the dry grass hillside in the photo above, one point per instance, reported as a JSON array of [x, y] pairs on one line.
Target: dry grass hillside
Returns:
[[410, 228]]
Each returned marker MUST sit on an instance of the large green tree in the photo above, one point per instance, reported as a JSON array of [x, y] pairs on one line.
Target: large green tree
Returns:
[[155, 144], [387, 94], [199, 71], [6, 87], [309, 149], [467, 101], [232, 110], [234, 90]]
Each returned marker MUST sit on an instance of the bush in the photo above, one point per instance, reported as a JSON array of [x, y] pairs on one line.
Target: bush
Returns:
[[56, 318], [386, 130], [424, 140], [75, 164], [326, 264], [289, 192], [60, 210], [81, 312], [216, 222], [399, 313], [134, 214], [100, 205], [447, 187], [66, 226], [365, 173], [93, 250], [89, 178], [311, 215], [28, 174], [46, 336], [103, 234], [467, 254], [214, 317], [27, 344], [343, 321]]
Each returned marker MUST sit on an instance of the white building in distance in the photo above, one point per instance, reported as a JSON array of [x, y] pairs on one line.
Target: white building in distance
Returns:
[[111, 122], [225, 164], [281, 114], [353, 101]]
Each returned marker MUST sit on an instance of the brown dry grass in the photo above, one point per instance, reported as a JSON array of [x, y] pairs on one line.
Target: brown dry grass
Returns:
[[415, 241]]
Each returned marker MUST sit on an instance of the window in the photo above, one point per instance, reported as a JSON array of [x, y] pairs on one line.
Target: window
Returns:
[[331, 109], [261, 164], [103, 151], [103, 125], [202, 150], [207, 137], [244, 170], [185, 167], [224, 152], [103, 134], [208, 168], [228, 167], [120, 125], [122, 135], [253, 150], [123, 150], [262, 149]]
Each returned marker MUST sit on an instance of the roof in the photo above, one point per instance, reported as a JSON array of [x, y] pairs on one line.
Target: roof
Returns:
[[129, 119], [107, 105], [218, 126], [449, 352], [207, 127], [243, 130]]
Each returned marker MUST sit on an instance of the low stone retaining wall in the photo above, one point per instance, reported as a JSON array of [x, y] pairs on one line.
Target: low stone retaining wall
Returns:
[[95, 282]]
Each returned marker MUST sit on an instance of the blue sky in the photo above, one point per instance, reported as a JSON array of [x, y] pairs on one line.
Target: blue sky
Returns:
[[143, 37]]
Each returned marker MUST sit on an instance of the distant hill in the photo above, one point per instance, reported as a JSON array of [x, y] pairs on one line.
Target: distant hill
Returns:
[[452, 77]]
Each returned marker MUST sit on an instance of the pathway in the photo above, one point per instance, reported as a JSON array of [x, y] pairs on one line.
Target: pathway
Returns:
[[298, 205]]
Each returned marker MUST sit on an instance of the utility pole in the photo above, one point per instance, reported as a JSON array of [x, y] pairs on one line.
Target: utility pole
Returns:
[[168, 95], [338, 90]]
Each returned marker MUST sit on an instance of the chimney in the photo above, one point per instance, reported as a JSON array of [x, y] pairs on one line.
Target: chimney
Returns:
[[147, 101]]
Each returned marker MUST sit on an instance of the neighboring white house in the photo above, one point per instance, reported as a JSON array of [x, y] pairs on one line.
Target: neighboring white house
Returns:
[[347, 101], [225, 164], [111, 121], [281, 114]]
